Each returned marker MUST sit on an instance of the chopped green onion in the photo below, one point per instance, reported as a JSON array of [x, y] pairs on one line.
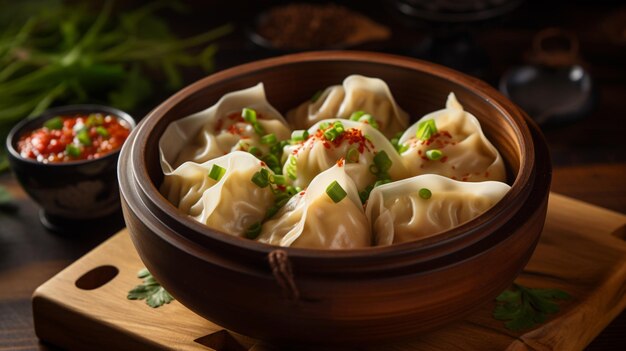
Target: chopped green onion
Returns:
[[356, 115], [299, 135], [338, 126], [102, 131], [249, 115], [335, 191], [434, 154], [261, 178], [365, 194], [278, 179], [269, 139], [426, 129], [217, 172], [258, 128], [72, 150], [316, 96], [95, 119], [255, 151], [425, 193], [83, 137], [54, 123], [331, 134], [271, 211], [253, 231], [324, 125], [291, 190], [352, 156], [367, 118], [271, 160], [291, 171], [402, 148], [381, 182], [382, 161]]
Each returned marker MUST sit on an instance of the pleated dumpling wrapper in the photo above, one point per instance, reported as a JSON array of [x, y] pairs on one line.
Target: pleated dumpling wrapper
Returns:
[[357, 93], [222, 128], [361, 145], [327, 215], [220, 192], [422, 206], [451, 143]]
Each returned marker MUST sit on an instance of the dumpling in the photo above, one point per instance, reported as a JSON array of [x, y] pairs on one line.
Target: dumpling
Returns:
[[358, 144], [451, 143], [221, 129], [357, 93], [425, 205], [313, 219], [220, 192]]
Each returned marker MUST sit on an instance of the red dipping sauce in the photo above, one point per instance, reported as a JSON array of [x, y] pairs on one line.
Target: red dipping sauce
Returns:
[[74, 137]]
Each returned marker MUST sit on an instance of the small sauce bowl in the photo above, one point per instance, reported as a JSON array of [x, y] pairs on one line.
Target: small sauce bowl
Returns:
[[75, 195]]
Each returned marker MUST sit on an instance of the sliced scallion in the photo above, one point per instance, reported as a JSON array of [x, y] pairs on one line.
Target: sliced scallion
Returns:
[[331, 134], [102, 131], [367, 118], [253, 231], [255, 151], [217, 172], [261, 178], [381, 182], [269, 139], [425, 193], [258, 128], [83, 137], [299, 135], [324, 125], [278, 179], [338, 127], [54, 123], [72, 150], [356, 115], [434, 154], [382, 161], [249, 115], [335, 192], [426, 129]]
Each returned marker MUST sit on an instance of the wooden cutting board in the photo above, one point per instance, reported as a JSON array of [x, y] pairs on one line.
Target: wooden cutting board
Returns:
[[582, 251]]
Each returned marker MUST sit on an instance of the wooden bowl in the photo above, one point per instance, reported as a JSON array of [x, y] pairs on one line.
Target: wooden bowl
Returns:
[[336, 297]]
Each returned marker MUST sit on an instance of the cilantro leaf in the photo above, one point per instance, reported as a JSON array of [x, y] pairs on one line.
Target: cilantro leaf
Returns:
[[150, 290], [524, 307]]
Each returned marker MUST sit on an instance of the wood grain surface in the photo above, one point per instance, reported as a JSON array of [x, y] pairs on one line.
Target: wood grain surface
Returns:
[[580, 252]]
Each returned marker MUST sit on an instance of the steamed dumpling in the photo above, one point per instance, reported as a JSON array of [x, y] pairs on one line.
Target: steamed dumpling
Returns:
[[221, 129], [231, 203], [311, 219], [397, 213], [466, 153], [317, 153], [357, 93]]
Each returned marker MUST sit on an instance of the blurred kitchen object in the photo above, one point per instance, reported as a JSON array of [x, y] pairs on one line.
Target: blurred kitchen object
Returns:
[[553, 87], [451, 26], [302, 26]]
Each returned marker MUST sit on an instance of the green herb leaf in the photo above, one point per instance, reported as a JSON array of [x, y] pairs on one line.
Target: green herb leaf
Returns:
[[54, 123], [336, 192], [151, 291], [524, 308], [217, 172], [426, 129]]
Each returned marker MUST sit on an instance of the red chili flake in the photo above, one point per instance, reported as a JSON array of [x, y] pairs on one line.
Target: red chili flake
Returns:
[[424, 158], [444, 159], [445, 134], [486, 174], [453, 177], [302, 193], [419, 152], [263, 164], [281, 187], [464, 179], [234, 130], [453, 167], [340, 162]]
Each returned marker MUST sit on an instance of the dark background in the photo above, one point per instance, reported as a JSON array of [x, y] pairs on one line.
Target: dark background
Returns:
[[589, 155]]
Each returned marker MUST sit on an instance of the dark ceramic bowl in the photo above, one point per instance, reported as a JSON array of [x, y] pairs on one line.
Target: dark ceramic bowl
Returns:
[[296, 295], [72, 195]]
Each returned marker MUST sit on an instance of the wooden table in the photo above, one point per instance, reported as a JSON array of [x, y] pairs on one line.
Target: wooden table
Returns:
[[589, 156]]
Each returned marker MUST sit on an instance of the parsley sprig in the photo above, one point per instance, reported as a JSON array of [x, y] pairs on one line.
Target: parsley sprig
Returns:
[[150, 290], [523, 308]]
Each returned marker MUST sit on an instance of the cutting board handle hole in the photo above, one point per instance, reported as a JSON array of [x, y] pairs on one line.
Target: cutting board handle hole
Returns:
[[221, 341], [96, 277]]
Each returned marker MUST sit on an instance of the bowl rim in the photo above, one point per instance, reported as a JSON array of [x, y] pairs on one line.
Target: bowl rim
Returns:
[[18, 130], [504, 208]]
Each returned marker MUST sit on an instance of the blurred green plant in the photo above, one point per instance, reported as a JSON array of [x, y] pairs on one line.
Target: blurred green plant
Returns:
[[52, 52]]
